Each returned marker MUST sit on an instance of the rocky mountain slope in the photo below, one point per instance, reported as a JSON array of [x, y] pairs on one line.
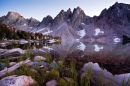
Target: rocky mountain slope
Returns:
[[71, 25], [116, 18]]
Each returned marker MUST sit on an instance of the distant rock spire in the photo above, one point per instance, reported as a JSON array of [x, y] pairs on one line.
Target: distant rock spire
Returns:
[[33, 22], [46, 21]]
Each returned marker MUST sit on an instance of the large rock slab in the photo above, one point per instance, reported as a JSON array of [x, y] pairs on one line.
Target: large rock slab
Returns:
[[12, 63], [13, 51], [10, 69], [52, 83], [97, 71], [17, 81], [39, 58]]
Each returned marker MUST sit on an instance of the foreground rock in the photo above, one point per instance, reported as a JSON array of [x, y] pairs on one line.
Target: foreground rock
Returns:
[[70, 80], [39, 58], [17, 81], [12, 63], [52, 83], [2, 50], [4, 44], [13, 51], [106, 76], [30, 63], [2, 66], [8, 70]]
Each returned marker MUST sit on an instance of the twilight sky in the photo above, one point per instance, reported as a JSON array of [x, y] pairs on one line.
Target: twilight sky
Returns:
[[41, 8]]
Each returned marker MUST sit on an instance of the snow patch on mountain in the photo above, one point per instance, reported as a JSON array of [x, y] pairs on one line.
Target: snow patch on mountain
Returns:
[[48, 32], [82, 24], [48, 48], [81, 46], [82, 33], [97, 48], [116, 40], [98, 31], [24, 24], [40, 30]]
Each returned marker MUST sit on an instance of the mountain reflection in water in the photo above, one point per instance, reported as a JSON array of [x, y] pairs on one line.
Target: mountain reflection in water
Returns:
[[115, 58], [29, 46]]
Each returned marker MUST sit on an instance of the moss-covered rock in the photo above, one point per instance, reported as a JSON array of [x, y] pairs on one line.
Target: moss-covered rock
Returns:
[[54, 74], [63, 82]]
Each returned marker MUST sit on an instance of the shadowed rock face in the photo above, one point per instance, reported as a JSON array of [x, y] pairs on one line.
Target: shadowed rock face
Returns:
[[65, 32], [62, 17], [46, 21], [125, 40], [79, 17], [118, 14], [114, 21], [32, 22]]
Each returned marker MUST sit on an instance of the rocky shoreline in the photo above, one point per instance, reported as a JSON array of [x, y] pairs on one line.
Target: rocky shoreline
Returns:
[[38, 70]]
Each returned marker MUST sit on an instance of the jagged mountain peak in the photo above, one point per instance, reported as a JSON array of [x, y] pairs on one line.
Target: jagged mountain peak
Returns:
[[13, 18], [78, 16], [62, 17], [73, 18], [46, 21], [47, 18], [66, 15], [69, 10], [62, 12], [33, 19], [32, 22], [77, 10], [11, 15], [119, 13], [120, 6], [117, 7]]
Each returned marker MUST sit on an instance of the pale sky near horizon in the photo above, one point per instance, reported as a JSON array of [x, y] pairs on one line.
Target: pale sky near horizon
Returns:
[[41, 8]]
